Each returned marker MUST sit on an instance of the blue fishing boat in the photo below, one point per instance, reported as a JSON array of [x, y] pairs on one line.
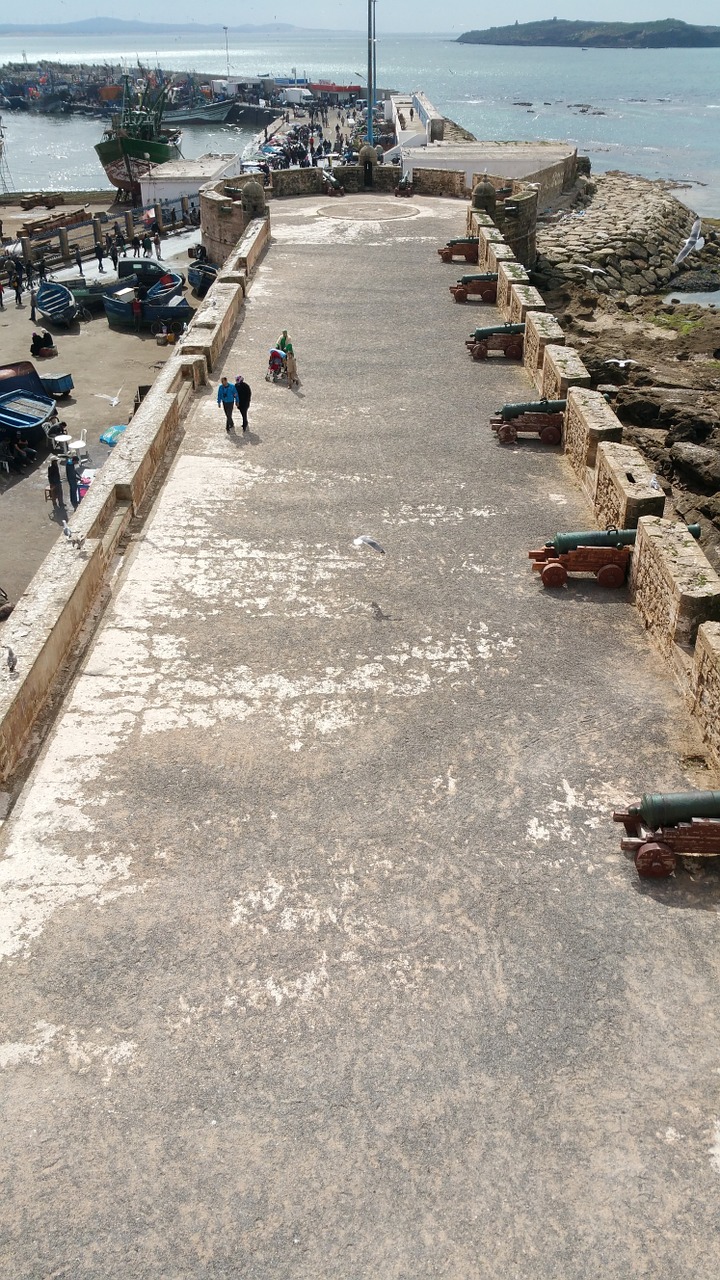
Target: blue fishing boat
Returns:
[[89, 293], [201, 275], [163, 303], [56, 304], [24, 411]]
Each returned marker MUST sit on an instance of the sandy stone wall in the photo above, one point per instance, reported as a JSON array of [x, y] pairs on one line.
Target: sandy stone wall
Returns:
[[540, 330], [672, 583], [498, 252], [705, 684], [524, 298], [623, 488], [589, 421], [487, 236], [562, 368], [509, 273], [439, 182]]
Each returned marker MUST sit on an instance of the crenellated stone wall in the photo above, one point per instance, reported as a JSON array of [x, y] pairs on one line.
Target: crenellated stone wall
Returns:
[[589, 421], [672, 583], [524, 298], [624, 491], [509, 273], [540, 330], [705, 684], [562, 368]]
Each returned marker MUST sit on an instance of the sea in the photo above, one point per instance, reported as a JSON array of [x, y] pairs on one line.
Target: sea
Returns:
[[653, 112]]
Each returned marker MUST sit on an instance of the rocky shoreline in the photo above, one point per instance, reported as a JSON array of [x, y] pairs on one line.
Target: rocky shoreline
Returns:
[[666, 391]]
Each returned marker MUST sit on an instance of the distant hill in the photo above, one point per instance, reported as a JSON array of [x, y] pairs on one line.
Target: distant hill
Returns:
[[669, 34], [119, 27]]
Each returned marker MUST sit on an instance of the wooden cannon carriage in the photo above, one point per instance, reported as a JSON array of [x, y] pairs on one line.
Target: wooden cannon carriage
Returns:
[[543, 418], [406, 188], [659, 828], [482, 286], [463, 247], [604, 553], [331, 185], [509, 339]]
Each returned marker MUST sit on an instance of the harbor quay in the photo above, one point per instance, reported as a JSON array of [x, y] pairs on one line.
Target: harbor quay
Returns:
[[320, 953]]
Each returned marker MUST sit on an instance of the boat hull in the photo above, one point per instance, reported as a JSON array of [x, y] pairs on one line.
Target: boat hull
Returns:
[[128, 160], [23, 413], [56, 304]]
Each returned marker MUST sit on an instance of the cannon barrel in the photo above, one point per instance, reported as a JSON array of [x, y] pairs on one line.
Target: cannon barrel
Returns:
[[510, 411], [464, 240], [563, 542], [491, 329], [668, 808], [488, 276]]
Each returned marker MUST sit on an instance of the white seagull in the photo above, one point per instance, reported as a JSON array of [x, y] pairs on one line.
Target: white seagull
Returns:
[[621, 363], [11, 659], [76, 540], [113, 399], [592, 271], [365, 540], [694, 243]]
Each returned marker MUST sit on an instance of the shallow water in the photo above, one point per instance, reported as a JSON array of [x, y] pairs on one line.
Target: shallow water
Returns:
[[699, 299], [661, 108]]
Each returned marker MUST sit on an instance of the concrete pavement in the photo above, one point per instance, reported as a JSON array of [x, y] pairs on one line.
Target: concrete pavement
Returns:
[[321, 957]]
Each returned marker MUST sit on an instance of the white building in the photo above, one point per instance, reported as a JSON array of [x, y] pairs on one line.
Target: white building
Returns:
[[168, 182]]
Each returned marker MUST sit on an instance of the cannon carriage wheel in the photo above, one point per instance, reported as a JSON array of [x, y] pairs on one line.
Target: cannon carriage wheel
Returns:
[[461, 294], [507, 433], [550, 435], [445, 254], [554, 575], [480, 351], [514, 350], [655, 860], [611, 575]]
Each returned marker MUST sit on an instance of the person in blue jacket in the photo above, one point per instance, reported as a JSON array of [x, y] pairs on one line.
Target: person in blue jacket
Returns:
[[227, 397]]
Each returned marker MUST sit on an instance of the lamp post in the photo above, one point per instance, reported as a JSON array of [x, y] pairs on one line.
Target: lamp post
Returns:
[[227, 59], [370, 81]]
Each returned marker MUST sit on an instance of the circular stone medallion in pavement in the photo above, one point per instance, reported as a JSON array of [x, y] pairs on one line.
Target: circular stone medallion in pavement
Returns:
[[367, 209]]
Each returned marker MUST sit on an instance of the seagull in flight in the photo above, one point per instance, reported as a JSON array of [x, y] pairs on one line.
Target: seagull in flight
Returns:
[[113, 399], [365, 540], [694, 243], [622, 364], [592, 271]]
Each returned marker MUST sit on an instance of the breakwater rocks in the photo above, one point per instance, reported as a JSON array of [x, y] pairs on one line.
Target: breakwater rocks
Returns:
[[623, 238]]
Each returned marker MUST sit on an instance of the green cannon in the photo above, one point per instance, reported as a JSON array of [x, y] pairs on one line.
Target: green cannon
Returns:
[[332, 186], [563, 542], [482, 285], [664, 825], [606, 555], [405, 186], [505, 338], [543, 418], [510, 411], [461, 247]]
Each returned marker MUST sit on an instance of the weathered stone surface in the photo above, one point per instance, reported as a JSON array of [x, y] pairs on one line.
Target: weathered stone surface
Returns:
[[624, 491], [705, 684], [589, 420], [672, 583], [700, 464]]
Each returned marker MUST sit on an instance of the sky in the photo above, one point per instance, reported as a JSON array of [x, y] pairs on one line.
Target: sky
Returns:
[[392, 15]]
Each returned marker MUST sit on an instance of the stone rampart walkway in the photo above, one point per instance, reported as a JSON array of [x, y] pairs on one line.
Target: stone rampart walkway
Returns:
[[320, 956]]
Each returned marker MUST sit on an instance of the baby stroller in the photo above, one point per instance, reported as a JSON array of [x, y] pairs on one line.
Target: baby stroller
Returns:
[[276, 365]]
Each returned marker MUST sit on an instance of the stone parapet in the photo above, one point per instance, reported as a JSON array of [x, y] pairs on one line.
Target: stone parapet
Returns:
[[498, 252], [588, 422], [623, 489], [509, 273], [562, 368], [672, 583], [540, 331], [524, 298], [705, 684], [47, 619], [487, 235], [435, 182], [477, 218]]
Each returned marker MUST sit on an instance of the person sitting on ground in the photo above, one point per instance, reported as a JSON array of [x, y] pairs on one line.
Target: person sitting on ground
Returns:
[[36, 345], [47, 339]]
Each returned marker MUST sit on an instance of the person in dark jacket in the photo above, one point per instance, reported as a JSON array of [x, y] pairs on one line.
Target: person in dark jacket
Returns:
[[243, 396], [55, 483], [72, 479]]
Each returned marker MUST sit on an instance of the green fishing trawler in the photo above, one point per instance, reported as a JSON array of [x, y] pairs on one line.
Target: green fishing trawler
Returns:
[[136, 139]]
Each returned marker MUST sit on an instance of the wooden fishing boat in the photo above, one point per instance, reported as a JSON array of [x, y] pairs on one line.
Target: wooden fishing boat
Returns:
[[89, 293], [56, 304], [163, 303], [23, 411], [201, 275]]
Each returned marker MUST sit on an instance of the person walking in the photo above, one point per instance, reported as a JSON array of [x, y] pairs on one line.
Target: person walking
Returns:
[[19, 268], [136, 246], [56, 489], [284, 343], [33, 301], [156, 242], [29, 274], [227, 397], [243, 396], [120, 242], [137, 310], [18, 291], [147, 245], [42, 269], [100, 254], [113, 255], [291, 368], [78, 261], [2, 292], [72, 479]]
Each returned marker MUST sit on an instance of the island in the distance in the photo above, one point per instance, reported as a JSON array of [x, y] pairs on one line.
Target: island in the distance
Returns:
[[668, 34]]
